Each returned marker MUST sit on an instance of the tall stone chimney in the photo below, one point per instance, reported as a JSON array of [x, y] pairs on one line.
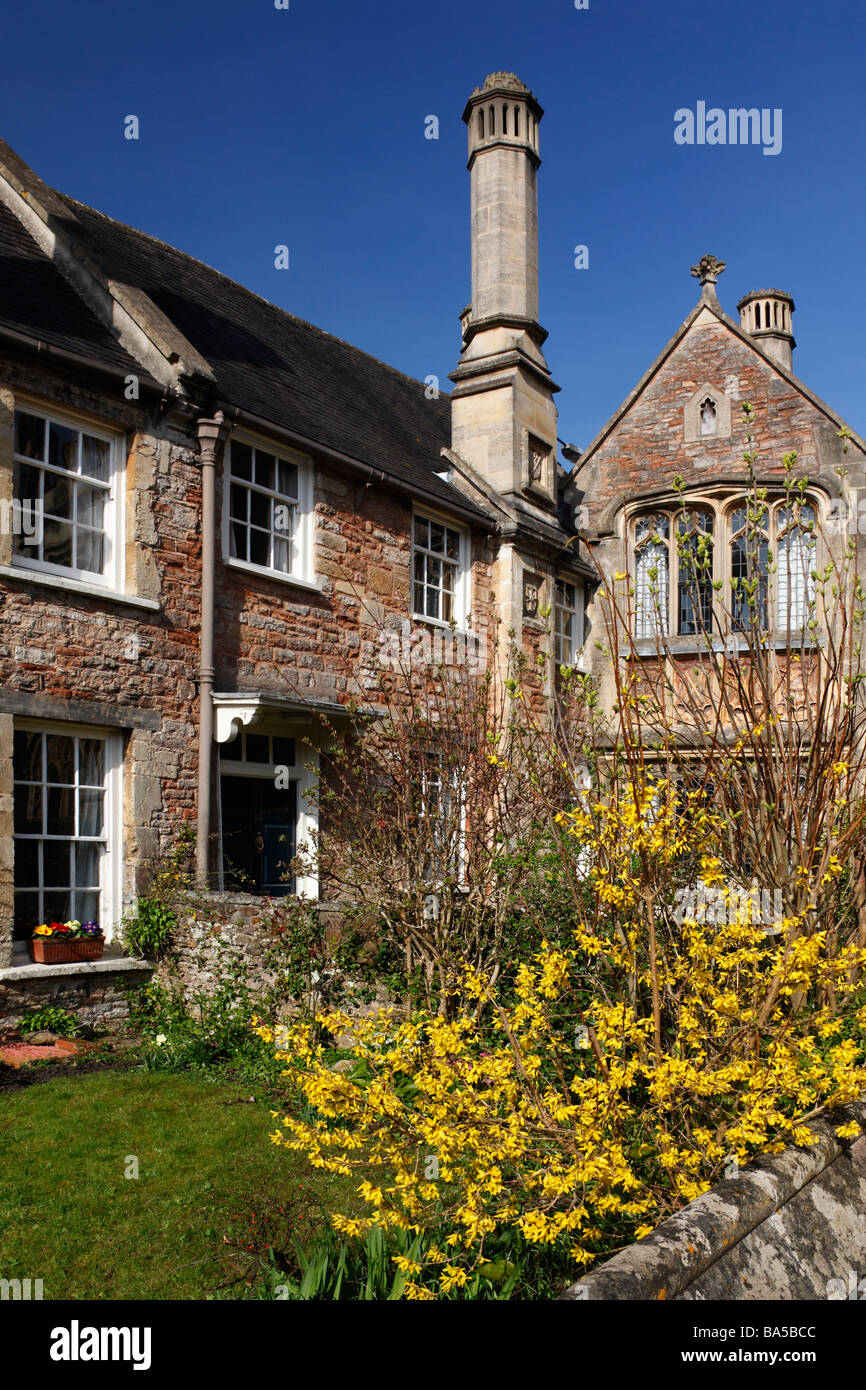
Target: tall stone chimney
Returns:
[[503, 415], [766, 316]]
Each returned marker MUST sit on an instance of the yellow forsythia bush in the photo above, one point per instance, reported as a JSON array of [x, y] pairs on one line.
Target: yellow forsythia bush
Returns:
[[616, 1078]]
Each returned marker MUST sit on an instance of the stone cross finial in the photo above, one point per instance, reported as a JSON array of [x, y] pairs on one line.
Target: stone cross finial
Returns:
[[708, 270]]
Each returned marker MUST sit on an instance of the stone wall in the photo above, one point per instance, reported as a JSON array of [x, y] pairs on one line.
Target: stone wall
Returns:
[[790, 1226], [224, 926], [95, 994]]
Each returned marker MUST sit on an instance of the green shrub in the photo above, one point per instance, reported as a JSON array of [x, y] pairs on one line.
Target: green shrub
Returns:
[[149, 933], [203, 1031], [51, 1019]]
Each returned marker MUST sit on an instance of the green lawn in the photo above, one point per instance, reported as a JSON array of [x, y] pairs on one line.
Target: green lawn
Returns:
[[68, 1215]]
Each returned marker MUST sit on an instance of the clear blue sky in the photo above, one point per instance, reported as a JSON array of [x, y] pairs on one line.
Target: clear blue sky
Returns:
[[306, 127]]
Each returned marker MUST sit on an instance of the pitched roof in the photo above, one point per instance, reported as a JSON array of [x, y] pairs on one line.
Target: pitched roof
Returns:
[[37, 303], [281, 368]]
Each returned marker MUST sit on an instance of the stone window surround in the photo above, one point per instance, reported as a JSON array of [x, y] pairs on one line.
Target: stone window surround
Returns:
[[545, 485], [112, 578], [692, 414], [721, 505], [112, 868], [303, 573], [462, 590]]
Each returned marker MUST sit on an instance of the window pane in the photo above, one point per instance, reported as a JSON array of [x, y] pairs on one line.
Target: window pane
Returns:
[[749, 558], [58, 495], [265, 469], [282, 556], [29, 435], [26, 914], [452, 544], [57, 906], [796, 585], [287, 478], [437, 537], [260, 510], [259, 547], [87, 867], [90, 812], [57, 544], [28, 810], [89, 551], [651, 590], [284, 518], [284, 751], [91, 762], [90, 502], [27, 482], [86, 906], [63, 447], [27, 863], [59, 759], [238, 497], [422, 533], [56, 861], [257, 748], [447, 607], [95, 458], [238, 541], [241, 461], [27, 756], [60, 811], [432, 606]]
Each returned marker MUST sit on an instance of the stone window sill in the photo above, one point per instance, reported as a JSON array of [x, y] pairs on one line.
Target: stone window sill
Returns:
[[292, 580], [22, 968], [696, 646], [77, 586]]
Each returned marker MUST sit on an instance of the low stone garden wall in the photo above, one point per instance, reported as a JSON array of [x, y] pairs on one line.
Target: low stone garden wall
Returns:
[[225, 925], [95, 991], [790, 1226]]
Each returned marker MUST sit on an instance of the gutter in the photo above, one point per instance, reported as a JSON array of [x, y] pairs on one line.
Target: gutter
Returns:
[[366, 470], [78, 359]]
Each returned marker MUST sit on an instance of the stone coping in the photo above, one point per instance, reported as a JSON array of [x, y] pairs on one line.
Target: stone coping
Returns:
[[29, 970], [684, 1246]]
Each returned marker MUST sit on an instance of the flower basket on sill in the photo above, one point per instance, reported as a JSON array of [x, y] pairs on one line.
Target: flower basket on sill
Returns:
[[59, 943]]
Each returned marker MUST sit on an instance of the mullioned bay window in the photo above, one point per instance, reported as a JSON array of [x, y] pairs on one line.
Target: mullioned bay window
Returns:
[[759, 557]]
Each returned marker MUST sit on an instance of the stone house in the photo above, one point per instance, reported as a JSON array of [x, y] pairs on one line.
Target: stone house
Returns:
[[212, 514], [683, 421]]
